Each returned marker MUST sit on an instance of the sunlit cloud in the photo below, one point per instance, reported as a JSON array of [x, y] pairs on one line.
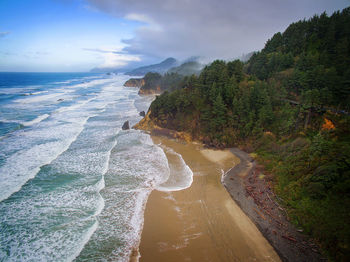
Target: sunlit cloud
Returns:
[[148, 21], [113, 58]]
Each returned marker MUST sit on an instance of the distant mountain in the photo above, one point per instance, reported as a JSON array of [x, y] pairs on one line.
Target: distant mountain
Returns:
[[161, 68], [188, 68]]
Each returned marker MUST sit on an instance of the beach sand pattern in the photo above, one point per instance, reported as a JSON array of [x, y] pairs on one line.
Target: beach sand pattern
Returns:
[[200, 223]]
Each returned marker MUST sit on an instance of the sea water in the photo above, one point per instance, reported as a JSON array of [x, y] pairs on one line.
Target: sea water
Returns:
[[73, 185]]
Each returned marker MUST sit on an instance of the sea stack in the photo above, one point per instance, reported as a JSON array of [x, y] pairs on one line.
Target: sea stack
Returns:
[[126, 125]]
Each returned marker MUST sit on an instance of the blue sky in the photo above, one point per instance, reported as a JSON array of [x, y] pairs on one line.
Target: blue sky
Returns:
[[44, 35], [78, 35]]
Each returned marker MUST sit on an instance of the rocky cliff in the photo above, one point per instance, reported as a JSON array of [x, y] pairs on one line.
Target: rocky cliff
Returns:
[[135, 82], [154, 91], [147, 124]]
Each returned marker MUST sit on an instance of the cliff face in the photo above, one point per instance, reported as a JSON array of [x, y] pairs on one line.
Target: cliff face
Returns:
[[135, 82], [148, 124], [154, 91]]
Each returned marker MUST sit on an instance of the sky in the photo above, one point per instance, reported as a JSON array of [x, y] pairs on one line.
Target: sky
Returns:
[[78, 35]]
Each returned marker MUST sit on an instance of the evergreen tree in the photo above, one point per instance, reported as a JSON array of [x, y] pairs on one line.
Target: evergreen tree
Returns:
[[218, 114]]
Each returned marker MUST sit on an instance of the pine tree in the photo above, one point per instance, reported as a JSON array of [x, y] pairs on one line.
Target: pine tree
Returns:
[[218, 114]]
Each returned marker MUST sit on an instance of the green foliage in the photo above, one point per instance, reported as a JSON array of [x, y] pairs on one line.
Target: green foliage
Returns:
[[169, 81], [278, 101], [151, 80], [319, 48], [187, 69], [313, 179]]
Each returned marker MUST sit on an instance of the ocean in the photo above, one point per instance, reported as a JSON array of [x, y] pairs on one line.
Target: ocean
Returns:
[[73, 184]]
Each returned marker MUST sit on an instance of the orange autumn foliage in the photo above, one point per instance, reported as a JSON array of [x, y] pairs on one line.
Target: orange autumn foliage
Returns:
[[328, 125]]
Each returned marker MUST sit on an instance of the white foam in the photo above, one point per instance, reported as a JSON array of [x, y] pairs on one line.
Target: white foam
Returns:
[[36, 99], [36, 120], [32, 150], [85, 239], [87, 159], [25, 164], [75, 106], [36, 93], [9, 121], [136, 166], [92, 83], [58, 225], [181, 176]]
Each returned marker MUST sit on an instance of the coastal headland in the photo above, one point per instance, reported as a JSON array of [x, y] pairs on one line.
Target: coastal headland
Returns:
[[202, 222]]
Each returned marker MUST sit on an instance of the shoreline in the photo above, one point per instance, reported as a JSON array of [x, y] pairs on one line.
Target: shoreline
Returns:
[[202, 222], [248, 188]]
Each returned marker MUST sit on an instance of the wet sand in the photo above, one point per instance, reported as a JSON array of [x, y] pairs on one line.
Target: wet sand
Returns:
[[200, 223]]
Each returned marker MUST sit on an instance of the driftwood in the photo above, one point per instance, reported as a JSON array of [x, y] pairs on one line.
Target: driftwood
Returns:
[[259, 213], [289, 238]]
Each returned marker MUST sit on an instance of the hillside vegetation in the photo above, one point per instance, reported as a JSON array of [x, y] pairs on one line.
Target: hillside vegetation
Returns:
[[289, 103], [157, 83], [154, 82]]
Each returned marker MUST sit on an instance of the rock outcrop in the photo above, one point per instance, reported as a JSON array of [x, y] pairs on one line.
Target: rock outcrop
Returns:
[[135, 82], [154, 91], [148, 124], [126, 125]]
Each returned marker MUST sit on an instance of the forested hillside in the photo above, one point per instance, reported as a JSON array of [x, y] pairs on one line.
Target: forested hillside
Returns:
[[157, 83], [289, 103], [314, 57]]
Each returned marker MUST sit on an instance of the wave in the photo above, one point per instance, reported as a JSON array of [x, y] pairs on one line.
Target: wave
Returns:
[[23, 165], [36, 99], [36, 120], [136, 166], [35, 93], [74, 106], [3, 120], [181, 176], [86, 175], [101, 204]]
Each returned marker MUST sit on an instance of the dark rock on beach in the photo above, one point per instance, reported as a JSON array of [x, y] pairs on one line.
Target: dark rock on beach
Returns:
[[142, 113], [126, 125]]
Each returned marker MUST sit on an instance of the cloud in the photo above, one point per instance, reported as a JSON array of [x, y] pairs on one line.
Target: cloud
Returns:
[[148, 21], [113, 58], [210, 28], [3, 34]]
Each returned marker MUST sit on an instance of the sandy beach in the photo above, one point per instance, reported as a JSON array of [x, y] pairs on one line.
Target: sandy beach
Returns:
[[202, 222]]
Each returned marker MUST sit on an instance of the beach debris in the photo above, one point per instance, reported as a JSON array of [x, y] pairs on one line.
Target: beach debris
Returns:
[[289, 238], [126, 125], [142, 113], [260, 214]]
